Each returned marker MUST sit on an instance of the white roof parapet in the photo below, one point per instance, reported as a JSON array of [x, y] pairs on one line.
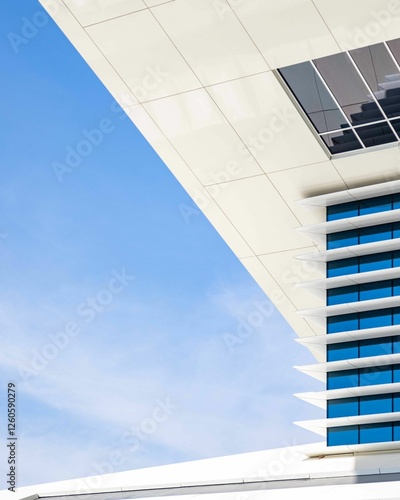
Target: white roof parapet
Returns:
[[319, 451], [321, 397], [352, 251], [361, 193]]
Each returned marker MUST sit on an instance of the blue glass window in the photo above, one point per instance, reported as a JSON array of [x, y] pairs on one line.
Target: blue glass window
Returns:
[[375, 375], [396, 288], [396, 431], [345, 350], [373, 319], [342, 239], [376, 347], [343, 435], [343, 323], [375, 233], [342, 295], [342, 379], [342, 211], [396, 373], [374, 205], [396, 316], [376, 262], [396, 344], [343, 266], [342, 407], [376, 290], [376, 404], [376, 433]]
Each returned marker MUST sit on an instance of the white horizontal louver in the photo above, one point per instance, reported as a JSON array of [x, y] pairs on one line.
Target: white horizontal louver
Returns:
[[352, 279], [320, 426], [351, 307], [336, 226], [352, 251], [362, 193], [320, 398]]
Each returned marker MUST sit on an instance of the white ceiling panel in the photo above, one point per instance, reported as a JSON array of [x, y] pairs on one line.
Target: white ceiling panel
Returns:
[[189, 181], [357, 24], [217, 48], [261, 216], [144, 56], [267, 122], [95, 11], [296, 183], [203, 136], [286, 31]]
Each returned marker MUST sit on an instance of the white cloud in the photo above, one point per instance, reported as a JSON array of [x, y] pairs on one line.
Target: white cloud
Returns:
[[110, 379]]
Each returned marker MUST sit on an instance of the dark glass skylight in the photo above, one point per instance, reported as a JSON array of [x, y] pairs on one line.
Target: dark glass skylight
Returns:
[[353, 98]]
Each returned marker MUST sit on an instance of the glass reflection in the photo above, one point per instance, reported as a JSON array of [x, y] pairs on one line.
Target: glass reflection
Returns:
[[341, 142], [381, 75], [313, 96], [348, 88], [374, 135], [351, 98]]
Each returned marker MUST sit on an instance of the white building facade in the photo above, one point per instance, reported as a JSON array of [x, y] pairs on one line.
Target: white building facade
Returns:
[[282, 121]]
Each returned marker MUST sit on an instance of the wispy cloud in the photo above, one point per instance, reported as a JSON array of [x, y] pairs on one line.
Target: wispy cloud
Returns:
[[110, 379]]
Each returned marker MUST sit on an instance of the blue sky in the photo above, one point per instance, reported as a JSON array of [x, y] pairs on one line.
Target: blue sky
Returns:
[[137, 365]]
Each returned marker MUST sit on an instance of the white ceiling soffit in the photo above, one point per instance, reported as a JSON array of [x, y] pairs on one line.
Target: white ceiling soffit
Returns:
[[195, 76]]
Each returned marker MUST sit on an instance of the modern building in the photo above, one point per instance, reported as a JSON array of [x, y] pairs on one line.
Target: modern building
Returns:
[[282, 121]]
